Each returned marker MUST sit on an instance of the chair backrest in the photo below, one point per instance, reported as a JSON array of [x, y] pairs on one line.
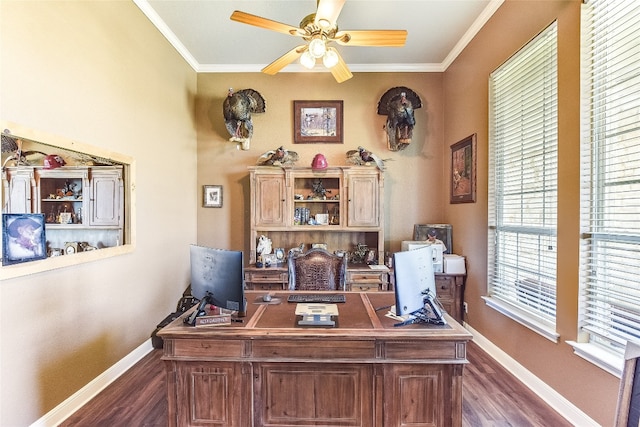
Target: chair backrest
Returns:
[[628, 408], [317, 269]]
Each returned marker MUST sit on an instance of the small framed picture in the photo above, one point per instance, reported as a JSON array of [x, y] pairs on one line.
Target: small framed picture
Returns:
[[463, 170], [23, 238], [212, 196]]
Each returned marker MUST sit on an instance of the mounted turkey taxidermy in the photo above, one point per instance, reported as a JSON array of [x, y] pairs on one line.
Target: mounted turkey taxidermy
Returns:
[[319, 30], [237, 109], [398, 104]]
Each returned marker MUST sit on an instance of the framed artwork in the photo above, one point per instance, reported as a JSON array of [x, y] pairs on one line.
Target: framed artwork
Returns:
[[317, 122], [434, 232], [212, 196], [463, 170], [23, 238]]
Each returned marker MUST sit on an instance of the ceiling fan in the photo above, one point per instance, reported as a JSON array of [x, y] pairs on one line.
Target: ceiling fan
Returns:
[[319, 30]]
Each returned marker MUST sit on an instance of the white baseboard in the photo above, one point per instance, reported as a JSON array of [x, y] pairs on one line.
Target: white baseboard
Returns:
[[65, 409], [554, 399]]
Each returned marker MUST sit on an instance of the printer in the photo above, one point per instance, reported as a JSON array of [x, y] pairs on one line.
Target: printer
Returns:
[[437, 251]]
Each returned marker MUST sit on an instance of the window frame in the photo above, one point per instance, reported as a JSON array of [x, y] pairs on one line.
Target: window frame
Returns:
[[605, 238], [532, 304]]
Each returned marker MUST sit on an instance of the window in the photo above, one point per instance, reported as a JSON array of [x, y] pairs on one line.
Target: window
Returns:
[[523, 185], [609, 311]]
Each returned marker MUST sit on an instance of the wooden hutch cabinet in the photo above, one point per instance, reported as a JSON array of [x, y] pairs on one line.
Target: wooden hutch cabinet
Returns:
[[81, 204], [340, 207]]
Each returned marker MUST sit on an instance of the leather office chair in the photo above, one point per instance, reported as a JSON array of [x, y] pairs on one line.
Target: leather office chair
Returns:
[[317, 270]]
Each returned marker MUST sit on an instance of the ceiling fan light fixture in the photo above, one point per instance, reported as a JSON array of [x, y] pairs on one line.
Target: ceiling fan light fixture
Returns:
[[330, 59], [307, 60], [325, 24], [317, 47]]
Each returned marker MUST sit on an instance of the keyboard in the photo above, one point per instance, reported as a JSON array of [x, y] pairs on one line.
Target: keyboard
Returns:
[[320, 298]]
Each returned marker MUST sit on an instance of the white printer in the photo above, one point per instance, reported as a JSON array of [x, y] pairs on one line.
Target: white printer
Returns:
[[437, 248]]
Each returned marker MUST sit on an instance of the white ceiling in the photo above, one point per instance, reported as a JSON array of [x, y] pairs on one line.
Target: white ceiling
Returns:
[[209, 41]]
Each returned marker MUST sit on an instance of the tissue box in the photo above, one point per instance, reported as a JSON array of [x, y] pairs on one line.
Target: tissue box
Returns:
[[454, 264]]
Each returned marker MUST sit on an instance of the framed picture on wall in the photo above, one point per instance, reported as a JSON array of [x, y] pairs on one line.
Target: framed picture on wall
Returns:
[[317, 122], [463, 170], [23, 238], [434, 232], [212, 196]]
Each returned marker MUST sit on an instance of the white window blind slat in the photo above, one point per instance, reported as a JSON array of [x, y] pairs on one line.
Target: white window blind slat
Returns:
[[523, 179], [610, 175]]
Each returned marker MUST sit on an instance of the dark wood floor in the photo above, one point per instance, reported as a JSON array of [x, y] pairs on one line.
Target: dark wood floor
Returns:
[[491, 397]]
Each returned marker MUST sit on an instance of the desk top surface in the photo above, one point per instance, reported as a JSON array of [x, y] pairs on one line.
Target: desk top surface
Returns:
[[362, 316]]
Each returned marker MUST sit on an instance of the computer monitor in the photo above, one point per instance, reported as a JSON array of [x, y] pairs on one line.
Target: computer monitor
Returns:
[[414, 276], [217, 277]]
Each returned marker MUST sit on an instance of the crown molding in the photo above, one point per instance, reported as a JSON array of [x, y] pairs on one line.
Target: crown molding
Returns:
[[477, 25]]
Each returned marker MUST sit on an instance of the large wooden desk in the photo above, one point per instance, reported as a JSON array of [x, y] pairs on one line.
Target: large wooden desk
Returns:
[[267, 371]]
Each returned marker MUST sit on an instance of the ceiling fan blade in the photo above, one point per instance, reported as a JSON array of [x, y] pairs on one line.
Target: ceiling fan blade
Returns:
[[284, 60], [258, 21], [328, 10], [391, 38], [340, 71]]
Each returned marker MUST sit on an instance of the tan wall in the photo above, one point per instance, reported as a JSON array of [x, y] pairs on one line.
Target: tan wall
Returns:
[[413, 180], [97, 73], [466, 111]]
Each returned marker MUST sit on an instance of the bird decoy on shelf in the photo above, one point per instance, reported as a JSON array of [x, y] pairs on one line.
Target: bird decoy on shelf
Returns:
[[14, 146], [278, 157], [237, 109], [362, 156], [398, 104]]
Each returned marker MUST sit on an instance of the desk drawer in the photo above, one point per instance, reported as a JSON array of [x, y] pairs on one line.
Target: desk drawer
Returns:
[[266, 279], [445, 288], [258, 286], [365, 287], [358, 277], [269, 277], [367, 281]]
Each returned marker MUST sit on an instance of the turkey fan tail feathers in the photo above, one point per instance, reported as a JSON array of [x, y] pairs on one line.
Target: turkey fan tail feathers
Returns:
[[395, 93], [260, 105]]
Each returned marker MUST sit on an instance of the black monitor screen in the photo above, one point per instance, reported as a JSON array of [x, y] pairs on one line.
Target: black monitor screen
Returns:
[[218, 274], [413, 271]]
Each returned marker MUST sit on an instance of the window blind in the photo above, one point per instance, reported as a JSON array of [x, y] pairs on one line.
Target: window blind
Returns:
[[523, 149], [610, 175]]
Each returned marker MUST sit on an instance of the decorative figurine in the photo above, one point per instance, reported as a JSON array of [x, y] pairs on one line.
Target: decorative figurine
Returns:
[[278, 157], [319, 192], [398, 104], [362, 156], [237, 108], [264, 245], [14, 146], [319, 162]]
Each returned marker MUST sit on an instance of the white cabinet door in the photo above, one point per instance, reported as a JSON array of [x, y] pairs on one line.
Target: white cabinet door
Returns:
[[106, 198]]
